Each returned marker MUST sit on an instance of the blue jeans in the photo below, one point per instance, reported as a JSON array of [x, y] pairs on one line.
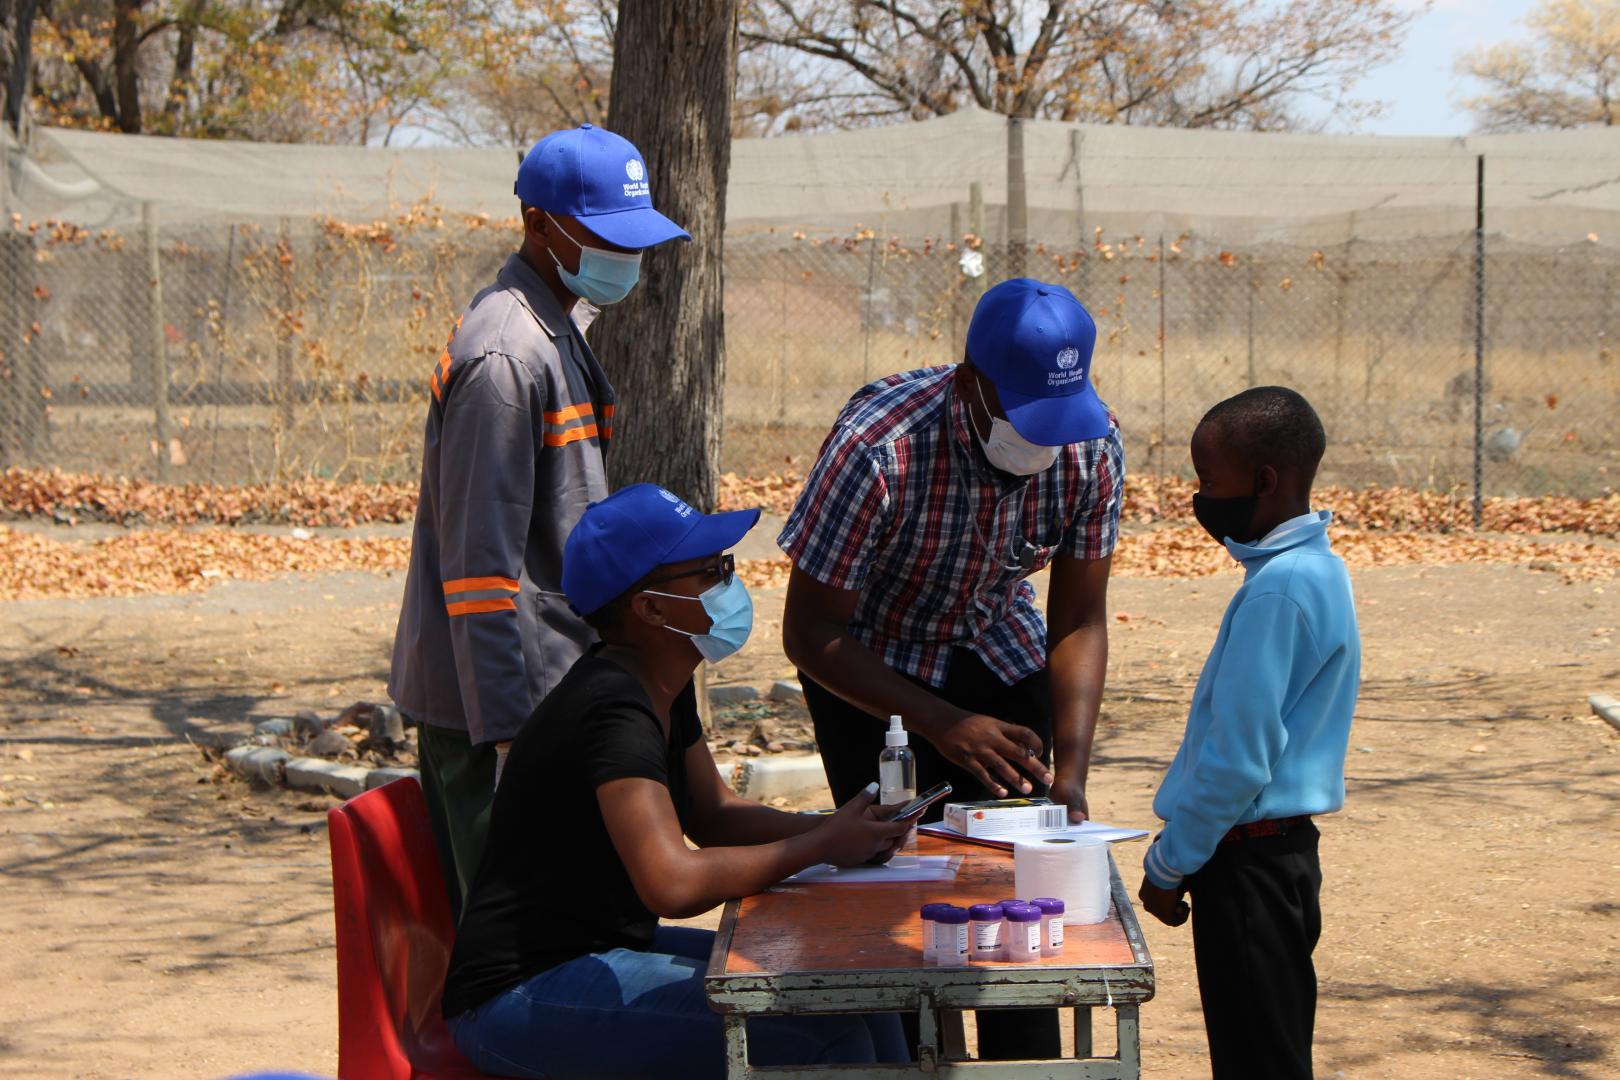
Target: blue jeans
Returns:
[[643, 1014]]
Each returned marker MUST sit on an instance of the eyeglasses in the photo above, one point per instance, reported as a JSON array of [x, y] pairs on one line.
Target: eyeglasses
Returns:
[[725, 567]]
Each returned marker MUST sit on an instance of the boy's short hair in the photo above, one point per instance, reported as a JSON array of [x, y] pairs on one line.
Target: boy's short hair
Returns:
[[1271, 425]]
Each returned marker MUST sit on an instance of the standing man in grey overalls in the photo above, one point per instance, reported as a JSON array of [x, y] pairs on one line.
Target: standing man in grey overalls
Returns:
[[520, 419]]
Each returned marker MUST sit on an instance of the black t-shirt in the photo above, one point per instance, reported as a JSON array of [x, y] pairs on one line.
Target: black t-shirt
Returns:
[[551, 886]]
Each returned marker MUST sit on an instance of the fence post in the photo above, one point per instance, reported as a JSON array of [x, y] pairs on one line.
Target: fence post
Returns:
[[11, 393], [23, 417], [866, 328], [976, 286], [219, 350], [954, 275], [284, 348], [1479, 337], [1017, 199], [157, 345], [1077, 140], [1163, 350], [778, 406], [1254, 287]]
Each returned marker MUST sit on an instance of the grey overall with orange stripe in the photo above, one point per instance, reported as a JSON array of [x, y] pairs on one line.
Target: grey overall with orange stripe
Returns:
[[520, 416]]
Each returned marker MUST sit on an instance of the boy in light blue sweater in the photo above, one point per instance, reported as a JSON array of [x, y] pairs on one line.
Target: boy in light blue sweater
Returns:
[[1265, 741]]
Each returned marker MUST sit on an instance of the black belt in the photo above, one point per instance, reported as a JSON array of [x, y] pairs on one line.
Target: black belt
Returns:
[[1268, 827]]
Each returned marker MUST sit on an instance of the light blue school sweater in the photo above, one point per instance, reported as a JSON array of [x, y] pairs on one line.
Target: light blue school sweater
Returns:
[[1270, 719]]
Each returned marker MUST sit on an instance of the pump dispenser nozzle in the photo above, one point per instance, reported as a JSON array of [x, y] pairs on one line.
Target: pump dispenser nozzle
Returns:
[[896, 735]]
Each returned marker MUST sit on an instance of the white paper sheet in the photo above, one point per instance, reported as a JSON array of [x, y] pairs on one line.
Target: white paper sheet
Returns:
[[1091, 830], [900, 868]]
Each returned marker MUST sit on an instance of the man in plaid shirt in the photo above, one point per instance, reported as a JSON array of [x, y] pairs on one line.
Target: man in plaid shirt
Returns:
[[936, 496]]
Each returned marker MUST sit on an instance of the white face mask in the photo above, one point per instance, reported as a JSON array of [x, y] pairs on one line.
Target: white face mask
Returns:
[[1009, 451]]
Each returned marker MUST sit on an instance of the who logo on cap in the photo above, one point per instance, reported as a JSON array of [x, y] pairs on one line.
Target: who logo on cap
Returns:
[[621, 539], [600, 178], [1034, 342]]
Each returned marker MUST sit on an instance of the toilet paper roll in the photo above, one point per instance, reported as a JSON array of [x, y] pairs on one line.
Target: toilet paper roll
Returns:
[[1072, 869]]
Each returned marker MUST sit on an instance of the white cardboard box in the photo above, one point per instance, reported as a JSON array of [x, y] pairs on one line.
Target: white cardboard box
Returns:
[[1003, 817]]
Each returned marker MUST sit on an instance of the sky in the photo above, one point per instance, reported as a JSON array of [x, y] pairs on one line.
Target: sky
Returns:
[[1420, 87]]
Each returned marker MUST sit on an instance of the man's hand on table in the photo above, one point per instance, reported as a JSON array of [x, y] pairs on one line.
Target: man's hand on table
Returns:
[[1166, 905], [998, 753], [1070, 790]]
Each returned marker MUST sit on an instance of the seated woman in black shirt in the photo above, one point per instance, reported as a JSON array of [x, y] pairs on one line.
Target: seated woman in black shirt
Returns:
[[560, 968]]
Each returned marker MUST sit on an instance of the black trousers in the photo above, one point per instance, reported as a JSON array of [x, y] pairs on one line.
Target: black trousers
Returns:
[[850, 741], [458, 784], [1256, 918]]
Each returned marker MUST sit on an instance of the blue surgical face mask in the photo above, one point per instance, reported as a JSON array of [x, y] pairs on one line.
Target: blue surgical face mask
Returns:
[[731, 618], [605, 277], [1009, 451]]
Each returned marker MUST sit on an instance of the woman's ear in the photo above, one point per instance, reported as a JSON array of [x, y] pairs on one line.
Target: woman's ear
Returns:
[[645, 607]]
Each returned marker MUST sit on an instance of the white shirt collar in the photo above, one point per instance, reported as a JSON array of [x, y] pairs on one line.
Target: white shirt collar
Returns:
[[1287, 529]]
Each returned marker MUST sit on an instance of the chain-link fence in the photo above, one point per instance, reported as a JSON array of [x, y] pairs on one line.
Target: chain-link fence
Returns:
[[298, 350], [304, 349], [1381, 339]]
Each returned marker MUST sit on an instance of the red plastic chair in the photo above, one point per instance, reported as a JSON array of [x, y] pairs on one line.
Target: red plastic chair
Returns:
[[393, 939]]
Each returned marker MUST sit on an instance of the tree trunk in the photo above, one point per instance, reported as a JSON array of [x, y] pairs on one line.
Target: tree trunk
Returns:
[[185, 52], [674, 72], [16, 58], [126, 76]]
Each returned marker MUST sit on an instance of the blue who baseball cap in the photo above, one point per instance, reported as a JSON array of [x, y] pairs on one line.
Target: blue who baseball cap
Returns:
[[598, 177], [1034, 342], [632, 532]]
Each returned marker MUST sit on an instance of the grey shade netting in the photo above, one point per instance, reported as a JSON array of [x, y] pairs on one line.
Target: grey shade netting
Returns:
[[1241, 188]]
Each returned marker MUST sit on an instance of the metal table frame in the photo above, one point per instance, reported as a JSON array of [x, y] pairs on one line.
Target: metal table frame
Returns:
[[938, 994]]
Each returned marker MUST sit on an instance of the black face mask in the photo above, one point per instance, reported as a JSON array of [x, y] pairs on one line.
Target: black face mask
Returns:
[[1224, 518]]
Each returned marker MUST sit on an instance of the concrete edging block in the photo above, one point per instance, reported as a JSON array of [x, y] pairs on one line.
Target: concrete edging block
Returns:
[[790, 692], [734, 694], [376, 778], [1606, 706], [314, 774], [258, 763], [763, 779]]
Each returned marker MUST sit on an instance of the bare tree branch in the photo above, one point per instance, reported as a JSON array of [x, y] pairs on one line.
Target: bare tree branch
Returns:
[[1237, 63]]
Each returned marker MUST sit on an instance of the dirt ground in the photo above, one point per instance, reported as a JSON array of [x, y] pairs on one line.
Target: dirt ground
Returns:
[[161, 922]]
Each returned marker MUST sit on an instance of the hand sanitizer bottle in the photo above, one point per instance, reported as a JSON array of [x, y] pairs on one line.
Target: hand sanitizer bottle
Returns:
[[897, 774]]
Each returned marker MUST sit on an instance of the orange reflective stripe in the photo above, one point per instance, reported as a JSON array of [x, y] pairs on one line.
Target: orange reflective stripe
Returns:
[[433, 384], [444, 364], [588, 431], [473, 584], [474, 607], [573, 412]]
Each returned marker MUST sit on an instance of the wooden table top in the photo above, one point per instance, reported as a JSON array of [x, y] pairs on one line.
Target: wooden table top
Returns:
[[808, 928]]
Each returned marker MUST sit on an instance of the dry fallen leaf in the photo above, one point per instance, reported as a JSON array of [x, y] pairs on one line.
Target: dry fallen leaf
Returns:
[[1372, 527]]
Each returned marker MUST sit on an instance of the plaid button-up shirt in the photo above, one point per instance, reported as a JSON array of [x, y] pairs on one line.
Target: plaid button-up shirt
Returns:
[[903, 506]]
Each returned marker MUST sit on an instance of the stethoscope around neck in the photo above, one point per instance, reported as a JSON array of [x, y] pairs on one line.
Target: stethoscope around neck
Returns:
[[1026, 551]]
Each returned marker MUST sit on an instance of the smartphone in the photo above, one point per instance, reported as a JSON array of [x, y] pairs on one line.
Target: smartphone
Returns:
[[915, 807]]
